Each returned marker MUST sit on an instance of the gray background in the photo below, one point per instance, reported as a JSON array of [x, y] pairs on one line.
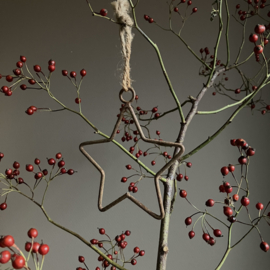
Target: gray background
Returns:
[[66, 32]]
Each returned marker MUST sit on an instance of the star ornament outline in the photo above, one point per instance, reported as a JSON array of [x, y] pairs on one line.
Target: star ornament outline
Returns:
[[127, 195]]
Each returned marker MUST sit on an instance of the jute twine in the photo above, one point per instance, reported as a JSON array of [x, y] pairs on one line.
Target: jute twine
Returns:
[[122, 11]]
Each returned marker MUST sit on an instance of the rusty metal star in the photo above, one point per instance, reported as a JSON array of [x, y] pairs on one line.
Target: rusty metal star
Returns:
[[128, 107]]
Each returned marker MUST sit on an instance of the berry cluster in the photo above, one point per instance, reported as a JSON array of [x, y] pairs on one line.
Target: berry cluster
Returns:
[[260, 36], [208, 59], [253, 9], [229, 208], [13, 174], [115, 252], [18, 259], [42, 81]]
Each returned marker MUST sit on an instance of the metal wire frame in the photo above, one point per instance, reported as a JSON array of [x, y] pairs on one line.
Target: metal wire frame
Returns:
[[128, 107]]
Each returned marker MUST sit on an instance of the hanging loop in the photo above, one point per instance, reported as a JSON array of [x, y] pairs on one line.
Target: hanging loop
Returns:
[[124, 91]]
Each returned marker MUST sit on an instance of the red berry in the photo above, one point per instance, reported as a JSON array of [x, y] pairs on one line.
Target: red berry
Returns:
[[264, 246], [81, 259], [9, 78], [194, 10], [27, 246], [228, 189], [237, 91], [5, 256], [37, 68], [151, 20], [179, 177], [146, 17], [250, 152], [176, 9], [191, 234], [17, 72], [133, 261], [128, 167], [157, 115], [45, 172], [227, 211], [23, 59], [183, 193], [224, 171], [3, 206], [253, 38], [136, 250], [32, 233], [29, 111], [70, 171], [61, 163], [259, 29], [141, 253], [186, 177], [103, 12], [43, 249], [211, 241], [123, 179], [58, 155], [242, 160], [18, 262], [94, 241], [127, 233], [83, 72], [63, 170], [102, 231], [237, 6], [189, 2], [38, 175], [217, 233], [51, 68], [206, 237], [210, 203], [189, 164], [78, 100], [37, 161], [258, 49], [35, 247], [51, 63], [153, 162], [19, 64], [64, 72], [231, 168], [8, 241], [51, 161], [16, 165], [259, 206], [188, 221], [73, 74], [235, 197], [29, 167], [32, 81], [245, 201]]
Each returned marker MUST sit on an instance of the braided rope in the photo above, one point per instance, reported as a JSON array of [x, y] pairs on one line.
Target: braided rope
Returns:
[[122, 10]]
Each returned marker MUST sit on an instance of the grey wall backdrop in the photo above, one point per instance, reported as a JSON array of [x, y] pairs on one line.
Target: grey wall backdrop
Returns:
[[66, 32]]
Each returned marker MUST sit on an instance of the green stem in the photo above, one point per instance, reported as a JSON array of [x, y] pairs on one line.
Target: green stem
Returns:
[[226, 107], [74, 234], [217, 42], [227, 33], [224, 258], [161, 63]]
